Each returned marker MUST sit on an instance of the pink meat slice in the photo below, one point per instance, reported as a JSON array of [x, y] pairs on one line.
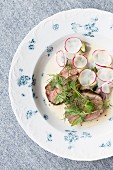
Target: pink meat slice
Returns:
[[95, 98], [93, 115], [71, 118], [51, 94], [66, 73]]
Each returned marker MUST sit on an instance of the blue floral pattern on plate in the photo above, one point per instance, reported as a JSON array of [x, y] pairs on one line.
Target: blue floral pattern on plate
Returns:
[[26, 80], [30, 113], [45, 116], [23, 80], [49, 50], [49, 137], [31, 45], [71, 136], [107, 144], [55, 27], [89, 28]]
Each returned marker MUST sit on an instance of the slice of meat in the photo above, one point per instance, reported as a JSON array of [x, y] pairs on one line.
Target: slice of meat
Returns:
[[51, 94], [71, 118], [66, 72], [98, 103], [95, 98], [93, 115]]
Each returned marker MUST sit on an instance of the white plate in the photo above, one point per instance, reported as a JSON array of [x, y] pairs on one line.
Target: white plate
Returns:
[[32, 63]]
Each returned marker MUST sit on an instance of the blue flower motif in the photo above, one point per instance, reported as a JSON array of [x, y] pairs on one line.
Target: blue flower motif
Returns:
[[86, 135], [23, 95], [23, 80], [49, 49], [45, 117], [34, 94], [26, 80], [104, 145], [49, 137], [89, 28], [30, 113], [55, 27], [75, 26], [71, 136], [31, 45]]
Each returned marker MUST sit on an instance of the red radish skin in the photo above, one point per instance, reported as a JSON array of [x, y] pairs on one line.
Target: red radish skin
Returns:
[[95, 78], [70, 38], [60, 51], [96, 51], [74, 59], [103, 91], [101, 79], [102, 88]]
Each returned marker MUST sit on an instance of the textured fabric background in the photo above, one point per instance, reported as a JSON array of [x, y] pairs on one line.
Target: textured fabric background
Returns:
[[17, 150]]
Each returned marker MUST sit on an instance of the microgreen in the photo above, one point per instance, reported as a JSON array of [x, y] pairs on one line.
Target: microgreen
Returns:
[[95, 69]]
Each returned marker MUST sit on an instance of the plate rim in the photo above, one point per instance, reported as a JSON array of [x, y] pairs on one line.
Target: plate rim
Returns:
[[9, 80]]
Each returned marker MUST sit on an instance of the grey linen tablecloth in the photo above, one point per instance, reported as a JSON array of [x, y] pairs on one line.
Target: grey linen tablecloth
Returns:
[[17, 150]]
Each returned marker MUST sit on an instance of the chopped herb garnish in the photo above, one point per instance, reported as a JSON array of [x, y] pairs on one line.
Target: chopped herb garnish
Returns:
[[95, 69], [94, 87], [77, 121], [106, 104], [57, 81], [89, 106]]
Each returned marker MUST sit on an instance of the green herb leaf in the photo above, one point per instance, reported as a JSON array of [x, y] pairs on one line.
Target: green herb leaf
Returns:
[[106, 104], [94, 69], [94, 87], [60, 98], [83, 49], [57, 81], [77, 121], [89, 106]]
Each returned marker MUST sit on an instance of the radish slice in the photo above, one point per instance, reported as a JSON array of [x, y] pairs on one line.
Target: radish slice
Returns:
[[102, 58], [106, 88], [79, 61], [60, 58], [69, 55], [99, 82], [87, 77], [73, 45], [105, 74]]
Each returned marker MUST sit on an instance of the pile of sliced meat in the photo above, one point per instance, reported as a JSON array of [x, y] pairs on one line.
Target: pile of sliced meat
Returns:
[[51, 94], [92, 96]]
